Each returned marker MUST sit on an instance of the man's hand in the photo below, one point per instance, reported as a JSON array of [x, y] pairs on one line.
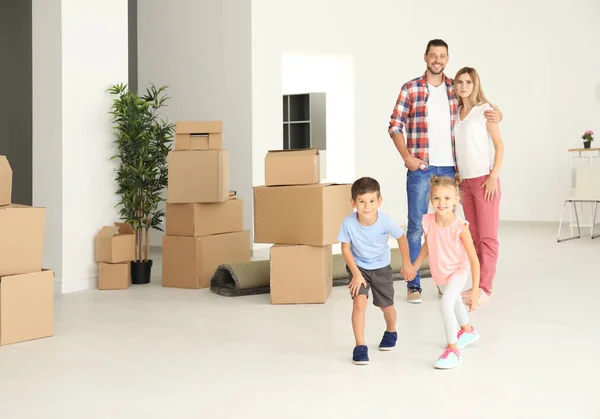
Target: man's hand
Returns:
[[355, 284], [494, 116], [412, 163]]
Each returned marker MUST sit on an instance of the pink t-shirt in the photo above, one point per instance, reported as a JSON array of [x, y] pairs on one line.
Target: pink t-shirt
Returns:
[[447, 254]]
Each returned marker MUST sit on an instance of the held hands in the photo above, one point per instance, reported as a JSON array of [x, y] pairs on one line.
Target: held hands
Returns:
[[409, 272], [494, 116], [355, 284], [473, 301], [490, 185]]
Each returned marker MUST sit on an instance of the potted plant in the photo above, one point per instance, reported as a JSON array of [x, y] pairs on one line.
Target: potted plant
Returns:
[[143, 141], [588, 137]]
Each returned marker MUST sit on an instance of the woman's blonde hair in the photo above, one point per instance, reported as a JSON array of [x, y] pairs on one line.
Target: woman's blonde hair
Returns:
[[477, 97]]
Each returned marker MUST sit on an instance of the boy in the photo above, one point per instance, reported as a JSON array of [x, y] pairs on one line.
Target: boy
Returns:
[[364, 237]]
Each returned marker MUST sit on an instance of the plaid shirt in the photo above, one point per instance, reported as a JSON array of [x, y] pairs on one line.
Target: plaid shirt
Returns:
[[411, 111]]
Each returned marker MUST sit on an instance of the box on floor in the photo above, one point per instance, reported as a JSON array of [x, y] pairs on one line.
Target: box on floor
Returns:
[[26, 306], [190, 262], [306, 214], [114, 276], [300, 274]]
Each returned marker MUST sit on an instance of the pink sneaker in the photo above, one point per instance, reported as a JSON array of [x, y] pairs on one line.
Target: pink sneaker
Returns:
[[449, 359], [466, 338]]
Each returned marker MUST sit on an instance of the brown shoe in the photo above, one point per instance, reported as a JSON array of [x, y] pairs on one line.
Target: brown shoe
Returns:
[[413, 296]]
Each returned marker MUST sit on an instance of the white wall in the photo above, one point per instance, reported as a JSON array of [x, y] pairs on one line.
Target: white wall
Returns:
[[94, 57], [365, 31], [201, 50], [333, 75], [72, 172], [538, 64]]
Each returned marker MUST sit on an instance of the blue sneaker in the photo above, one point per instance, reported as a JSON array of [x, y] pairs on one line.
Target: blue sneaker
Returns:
[[388, 342], [466, 338], [360, 356], [449, 359]]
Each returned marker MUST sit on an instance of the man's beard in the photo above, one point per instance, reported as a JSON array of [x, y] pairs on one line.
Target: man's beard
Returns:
[[432, 71]]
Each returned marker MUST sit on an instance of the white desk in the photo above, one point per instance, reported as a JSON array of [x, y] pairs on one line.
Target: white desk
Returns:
[[589, 154]]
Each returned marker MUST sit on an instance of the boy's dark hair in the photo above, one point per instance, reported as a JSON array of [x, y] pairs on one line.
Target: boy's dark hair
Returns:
[[365, 185], [436, 43]]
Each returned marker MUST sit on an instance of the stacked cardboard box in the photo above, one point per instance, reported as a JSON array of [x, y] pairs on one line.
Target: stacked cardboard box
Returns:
[[301, 217], [115, 250], [26, 290], [204, 221]]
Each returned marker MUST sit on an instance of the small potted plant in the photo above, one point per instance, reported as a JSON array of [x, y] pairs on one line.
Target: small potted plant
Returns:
[[143, 141], [588, 137]]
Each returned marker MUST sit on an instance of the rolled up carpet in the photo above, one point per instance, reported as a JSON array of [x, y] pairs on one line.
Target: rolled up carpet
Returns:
[[251, 278], [238, 279]]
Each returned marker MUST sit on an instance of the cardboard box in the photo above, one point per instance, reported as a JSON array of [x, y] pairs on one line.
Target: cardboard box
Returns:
[[205, 219], [198, 176], [190, 262], [115, 244], [198, 127], [198, 135], [26, 307], [292, 167], [6, 176], [114, 276], [308, 214], [300, 274], [21, 239], [198, 141]]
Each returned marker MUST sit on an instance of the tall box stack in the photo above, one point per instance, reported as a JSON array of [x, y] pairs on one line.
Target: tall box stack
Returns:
[[204, 220], [26, 289], [301, 217]]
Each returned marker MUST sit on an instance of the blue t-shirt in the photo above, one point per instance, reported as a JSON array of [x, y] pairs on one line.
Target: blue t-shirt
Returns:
[[369, 243]]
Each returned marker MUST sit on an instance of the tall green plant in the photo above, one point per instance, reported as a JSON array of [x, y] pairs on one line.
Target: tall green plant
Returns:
[[143, 141]]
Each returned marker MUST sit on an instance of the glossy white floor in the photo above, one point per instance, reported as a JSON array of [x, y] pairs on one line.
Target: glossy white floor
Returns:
[[151, 352]]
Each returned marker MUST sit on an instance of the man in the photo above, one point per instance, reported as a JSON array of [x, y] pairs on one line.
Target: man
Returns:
[[426, 109]]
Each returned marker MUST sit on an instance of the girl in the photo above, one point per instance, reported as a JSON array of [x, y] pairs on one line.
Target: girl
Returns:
[[479, 166], [451, 253]]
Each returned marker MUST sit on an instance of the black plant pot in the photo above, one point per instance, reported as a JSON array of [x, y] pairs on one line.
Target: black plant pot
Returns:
[[587, 144], [141, 272]]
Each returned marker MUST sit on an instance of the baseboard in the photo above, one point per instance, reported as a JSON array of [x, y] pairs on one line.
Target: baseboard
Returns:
[[67, 287]]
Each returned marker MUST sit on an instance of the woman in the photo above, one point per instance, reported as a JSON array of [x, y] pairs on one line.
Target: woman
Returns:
[[479, 153]]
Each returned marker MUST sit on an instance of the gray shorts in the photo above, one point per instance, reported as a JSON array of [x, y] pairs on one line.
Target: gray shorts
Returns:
[[380, 280]]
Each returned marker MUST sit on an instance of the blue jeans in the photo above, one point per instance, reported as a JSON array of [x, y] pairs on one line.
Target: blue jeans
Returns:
[[417, 189]]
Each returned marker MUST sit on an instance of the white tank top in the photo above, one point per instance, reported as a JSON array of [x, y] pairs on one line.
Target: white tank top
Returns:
[[474, 147]]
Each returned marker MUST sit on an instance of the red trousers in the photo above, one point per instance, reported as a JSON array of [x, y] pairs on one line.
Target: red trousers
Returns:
[[483, 217]]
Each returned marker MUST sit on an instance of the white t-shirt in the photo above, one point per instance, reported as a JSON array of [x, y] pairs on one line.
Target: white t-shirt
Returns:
[[474, 147], [439, 127]]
